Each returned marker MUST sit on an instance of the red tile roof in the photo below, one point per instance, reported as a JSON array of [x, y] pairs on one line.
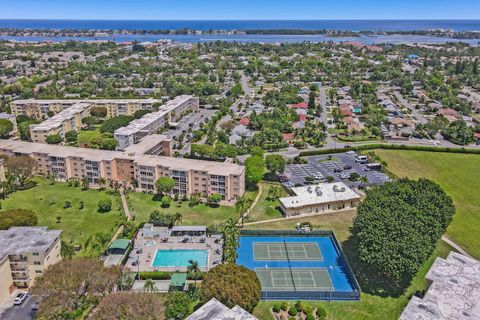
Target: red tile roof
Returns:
[[244, 121], [287, 136], [302, 117], [301, 105]]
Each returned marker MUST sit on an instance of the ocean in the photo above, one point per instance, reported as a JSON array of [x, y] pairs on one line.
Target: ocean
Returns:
[[348, 25]]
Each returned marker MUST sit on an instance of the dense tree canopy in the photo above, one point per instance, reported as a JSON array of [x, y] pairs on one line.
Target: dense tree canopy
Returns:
[[398, 225], [130, 305], [112, 124], [232, 285], [254, 169], [54, 139], [275, 163], [17, 218], [6, 126], [164, 184], [21, 168], [72, 286], [458, 132]]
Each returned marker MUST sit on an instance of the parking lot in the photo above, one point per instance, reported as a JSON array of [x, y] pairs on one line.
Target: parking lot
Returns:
[[192, 120], [339, 166], [23, 311]]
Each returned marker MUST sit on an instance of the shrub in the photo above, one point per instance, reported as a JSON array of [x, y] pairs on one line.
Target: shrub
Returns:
[[292, 311], [284, 306], [155, 275], [17, 217], [307, 309], [104, 205], [67, 205], [166, 201], [299, 306], [276, 308], [309, 317], [321, 312], [232, 285]]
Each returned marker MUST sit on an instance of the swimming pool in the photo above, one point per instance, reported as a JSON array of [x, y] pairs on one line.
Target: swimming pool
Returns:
[[180, 258]]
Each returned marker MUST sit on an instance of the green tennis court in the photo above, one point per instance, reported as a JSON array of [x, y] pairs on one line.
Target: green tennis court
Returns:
[[281, 251], [294, 279]]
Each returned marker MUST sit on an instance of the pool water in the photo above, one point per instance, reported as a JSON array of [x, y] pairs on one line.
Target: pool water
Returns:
[[180, 258]]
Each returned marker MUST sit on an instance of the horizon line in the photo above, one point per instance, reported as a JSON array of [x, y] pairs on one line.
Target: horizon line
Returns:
[[337, 19]]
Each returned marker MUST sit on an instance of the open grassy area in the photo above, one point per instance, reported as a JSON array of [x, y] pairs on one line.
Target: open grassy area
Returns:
[[371, 306], [85, 137], [259, 212], [459, 175], [77, 224]]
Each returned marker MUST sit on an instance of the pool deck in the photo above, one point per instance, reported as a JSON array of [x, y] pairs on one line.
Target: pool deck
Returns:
[[145, 255]]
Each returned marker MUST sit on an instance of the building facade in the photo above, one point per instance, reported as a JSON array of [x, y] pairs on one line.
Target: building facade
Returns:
[[320, 198], [152, 122], [132, 168], [24, 255]]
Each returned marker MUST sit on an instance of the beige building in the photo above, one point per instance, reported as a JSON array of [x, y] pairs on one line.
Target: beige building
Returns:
[[24, 254], [64, 121], [39, 109], [320, 198], [138, 165]]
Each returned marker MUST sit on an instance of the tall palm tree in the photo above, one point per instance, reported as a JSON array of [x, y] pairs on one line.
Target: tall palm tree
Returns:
[[101, 183], [177, 218], [193, 270], [363, 180], [232, 236], [149, 286], [242, 205]]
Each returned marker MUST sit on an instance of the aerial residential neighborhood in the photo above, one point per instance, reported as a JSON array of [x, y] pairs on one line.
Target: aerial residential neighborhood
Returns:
[[170, 161]]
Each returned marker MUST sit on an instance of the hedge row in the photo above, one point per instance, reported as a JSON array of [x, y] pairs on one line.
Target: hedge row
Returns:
[[163, 275], [392, 147]]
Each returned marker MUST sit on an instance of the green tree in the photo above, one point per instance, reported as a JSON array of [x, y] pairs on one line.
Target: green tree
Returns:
[[254, 169], [275, 163], [149, 286], [178, 306], [66, 251], [71, 136], [232, 237], [104, 205], [214, 199], [112, 124], [6, 126], [459, 132], [232, 285], [17, 218], [398, 225], [164, 185], [242, 205], [54, 139], [99, 112]]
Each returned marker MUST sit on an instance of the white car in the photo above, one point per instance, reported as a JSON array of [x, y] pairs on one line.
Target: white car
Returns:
[[345, 175], [20, 297]]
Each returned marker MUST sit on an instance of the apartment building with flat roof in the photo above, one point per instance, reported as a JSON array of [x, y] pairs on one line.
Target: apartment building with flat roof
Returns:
[[25, 253], [40, 109], [152, 122], [132, 169], [62, 122]]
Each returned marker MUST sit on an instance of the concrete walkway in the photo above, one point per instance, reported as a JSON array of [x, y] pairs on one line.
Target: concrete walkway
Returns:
[[456, 247], [126, 210]]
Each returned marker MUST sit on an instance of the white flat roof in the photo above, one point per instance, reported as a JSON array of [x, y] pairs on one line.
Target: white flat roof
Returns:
[[319, 193]]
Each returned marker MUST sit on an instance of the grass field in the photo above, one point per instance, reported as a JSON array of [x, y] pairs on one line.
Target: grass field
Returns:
[[85, 137], [259, 212], [77, 224], [371, 306], [459, 175]]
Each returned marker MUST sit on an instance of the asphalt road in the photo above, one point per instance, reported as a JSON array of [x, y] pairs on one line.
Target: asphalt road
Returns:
[[22, 312]]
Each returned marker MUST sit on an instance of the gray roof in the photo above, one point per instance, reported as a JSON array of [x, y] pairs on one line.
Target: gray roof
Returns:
[[19, 240], [189, 228], [215, 310], [453, 294]]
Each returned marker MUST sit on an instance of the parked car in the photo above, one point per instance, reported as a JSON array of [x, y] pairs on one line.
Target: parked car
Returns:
[[337, 170], [345, 175], [347, 167], [288, 184], [361, 159], [20, 297]]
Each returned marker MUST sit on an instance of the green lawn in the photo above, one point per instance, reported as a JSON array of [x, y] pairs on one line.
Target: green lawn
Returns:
[[371, 306], [77, 224], [258, 212], [142, 204], [85, 137], [459, 175]]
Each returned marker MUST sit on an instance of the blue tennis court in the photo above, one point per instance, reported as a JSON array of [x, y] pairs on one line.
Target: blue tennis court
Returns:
[[295, 266]]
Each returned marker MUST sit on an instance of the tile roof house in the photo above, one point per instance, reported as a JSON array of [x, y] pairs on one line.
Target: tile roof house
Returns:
[[215, 310], [448, 112], [244, 121], [301, 105]]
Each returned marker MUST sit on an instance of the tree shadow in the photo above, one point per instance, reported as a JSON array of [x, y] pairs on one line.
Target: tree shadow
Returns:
[[370, 280]]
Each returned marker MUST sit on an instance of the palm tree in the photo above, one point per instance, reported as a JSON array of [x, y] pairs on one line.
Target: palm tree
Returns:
[[85, 183], [177, 218], [149, 286], [66, 250], [242, 205], [363, 180], [232, 235], [193, 270], [101, 183]]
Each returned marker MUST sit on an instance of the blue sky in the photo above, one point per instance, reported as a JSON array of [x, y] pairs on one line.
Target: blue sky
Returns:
[[239, 10]]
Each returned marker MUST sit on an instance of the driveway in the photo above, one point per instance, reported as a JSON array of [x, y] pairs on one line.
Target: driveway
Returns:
[[21, 312]]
